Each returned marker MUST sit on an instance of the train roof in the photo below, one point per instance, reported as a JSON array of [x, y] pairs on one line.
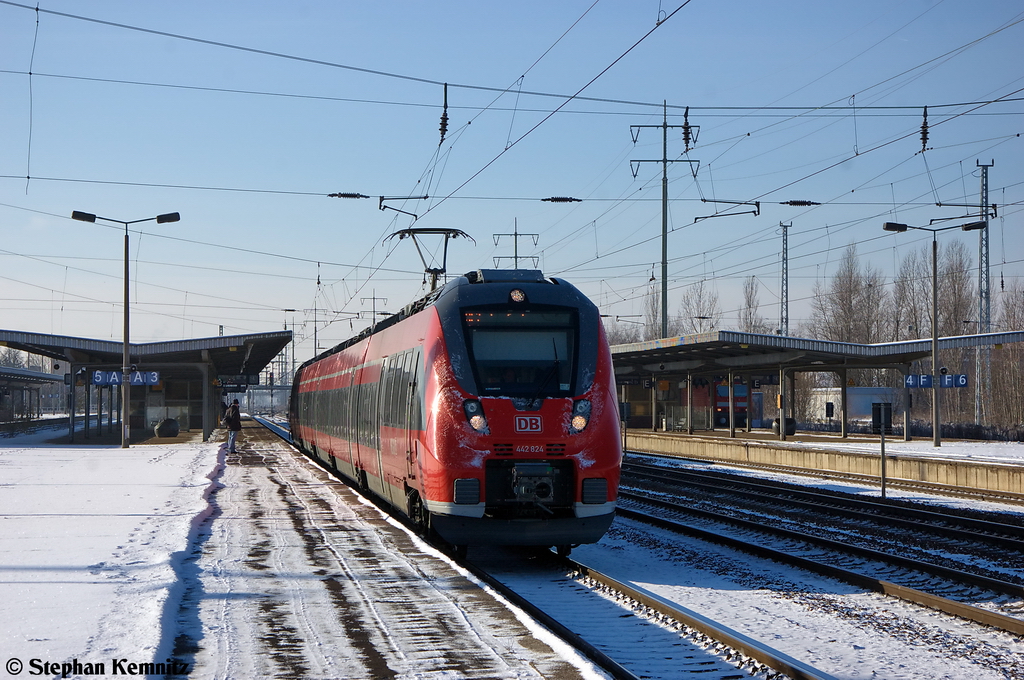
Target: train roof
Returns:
[[472, 278]]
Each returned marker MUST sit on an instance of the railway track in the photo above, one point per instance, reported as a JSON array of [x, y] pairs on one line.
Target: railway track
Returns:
[[291, 576], [863, 480], [630, 633], [983, 599], [967, 526], [987, 544], [692, 644]]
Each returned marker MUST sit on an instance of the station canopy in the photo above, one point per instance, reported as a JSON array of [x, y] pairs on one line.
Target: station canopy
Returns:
[[720, 352], [179, 359]]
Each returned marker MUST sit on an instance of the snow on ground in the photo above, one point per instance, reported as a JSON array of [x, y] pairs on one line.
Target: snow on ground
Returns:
[[99, 549], [1006, 453], [94, 537], [90, 541], [997, 453], [839, 629]]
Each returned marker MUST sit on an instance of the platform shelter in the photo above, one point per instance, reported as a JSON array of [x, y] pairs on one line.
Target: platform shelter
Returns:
[[654, 375], [185, 379]]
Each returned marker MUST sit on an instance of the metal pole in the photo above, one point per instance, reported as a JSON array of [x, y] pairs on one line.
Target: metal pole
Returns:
[[936, 434], [883, 453], [983, 366], [784, 301], [126, 366], [664, 222]]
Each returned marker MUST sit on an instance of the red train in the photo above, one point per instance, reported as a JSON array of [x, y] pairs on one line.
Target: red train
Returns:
[[485, 412]]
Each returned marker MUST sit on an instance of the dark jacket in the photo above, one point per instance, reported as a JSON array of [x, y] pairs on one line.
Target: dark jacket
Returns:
[[232, 418]]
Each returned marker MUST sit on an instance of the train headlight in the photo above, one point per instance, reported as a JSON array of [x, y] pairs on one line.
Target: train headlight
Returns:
[[475, 416], [580, 416]]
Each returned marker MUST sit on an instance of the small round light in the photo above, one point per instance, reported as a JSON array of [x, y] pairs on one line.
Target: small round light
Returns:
[[478, 423], [579, 423], [517, 295]]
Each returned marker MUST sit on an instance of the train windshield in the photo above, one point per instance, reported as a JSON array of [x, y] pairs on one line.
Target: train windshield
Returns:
[[522, 353]]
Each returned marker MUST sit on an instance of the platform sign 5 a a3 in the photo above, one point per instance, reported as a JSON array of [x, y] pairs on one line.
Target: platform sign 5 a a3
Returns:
[[134, 378]]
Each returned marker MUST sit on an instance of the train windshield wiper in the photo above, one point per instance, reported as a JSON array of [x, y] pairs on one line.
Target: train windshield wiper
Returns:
[[551, 372]]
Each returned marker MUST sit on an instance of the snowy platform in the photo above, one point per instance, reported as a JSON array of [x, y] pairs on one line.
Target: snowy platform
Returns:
[[90, 542], [256, 564]]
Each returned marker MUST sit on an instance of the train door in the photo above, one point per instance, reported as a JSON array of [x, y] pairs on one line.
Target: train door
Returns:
[[345, 450], [412, 406], [373, 402], [366, 426], [389, 453]]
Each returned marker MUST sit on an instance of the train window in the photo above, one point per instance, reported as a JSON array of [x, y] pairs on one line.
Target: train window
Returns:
[[522, 353]]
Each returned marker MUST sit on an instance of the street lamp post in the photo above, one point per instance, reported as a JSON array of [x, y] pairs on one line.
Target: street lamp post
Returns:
[[898, 227], [126, 365]]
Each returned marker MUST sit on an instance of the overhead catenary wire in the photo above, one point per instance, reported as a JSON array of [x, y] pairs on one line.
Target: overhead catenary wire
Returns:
[[589, 221]]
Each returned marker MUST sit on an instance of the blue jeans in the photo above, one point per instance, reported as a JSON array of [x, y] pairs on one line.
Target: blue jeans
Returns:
[[232, 435]]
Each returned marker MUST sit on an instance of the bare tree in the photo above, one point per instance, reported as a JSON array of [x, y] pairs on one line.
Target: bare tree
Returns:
[[623, 332], [751, 320], [12, 358], [699, 311], [1007, 360], [652, 312], [912, 297], [851, 308]]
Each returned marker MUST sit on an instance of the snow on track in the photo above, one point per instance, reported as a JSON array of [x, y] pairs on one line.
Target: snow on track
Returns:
[[839, 629], [298, 578]]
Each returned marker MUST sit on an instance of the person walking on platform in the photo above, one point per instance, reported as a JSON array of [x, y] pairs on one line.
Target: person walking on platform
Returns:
[[233, 421]]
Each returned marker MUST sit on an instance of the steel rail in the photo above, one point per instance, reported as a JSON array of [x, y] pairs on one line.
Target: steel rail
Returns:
[[1003, 535], [966, 611], [604, 661], [997, 585], [761, 653], [870, 480], [591, 652], [772, 658]]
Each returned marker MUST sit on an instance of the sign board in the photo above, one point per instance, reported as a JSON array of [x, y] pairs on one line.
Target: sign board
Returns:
[[951, 380], [242, 379], [134, 378], [948, 380]]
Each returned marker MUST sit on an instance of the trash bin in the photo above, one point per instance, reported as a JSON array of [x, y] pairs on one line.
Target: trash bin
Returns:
[[167, 428], [790, 426], [881, 416]]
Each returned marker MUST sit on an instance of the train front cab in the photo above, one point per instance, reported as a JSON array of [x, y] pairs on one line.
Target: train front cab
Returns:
[[524, 422]]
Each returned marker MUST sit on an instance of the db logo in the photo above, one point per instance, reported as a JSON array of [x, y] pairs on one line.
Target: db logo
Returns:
[[529, 424]]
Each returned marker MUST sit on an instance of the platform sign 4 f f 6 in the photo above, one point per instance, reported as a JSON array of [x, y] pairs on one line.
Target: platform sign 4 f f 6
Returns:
[[134, 378], [925, 380]]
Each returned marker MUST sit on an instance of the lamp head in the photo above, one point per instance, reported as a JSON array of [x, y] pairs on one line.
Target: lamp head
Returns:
[[168, 217], [974, 226], [894, 226], [83, 216]]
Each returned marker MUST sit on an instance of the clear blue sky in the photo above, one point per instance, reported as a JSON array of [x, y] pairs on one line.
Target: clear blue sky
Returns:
[[243, 116]]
